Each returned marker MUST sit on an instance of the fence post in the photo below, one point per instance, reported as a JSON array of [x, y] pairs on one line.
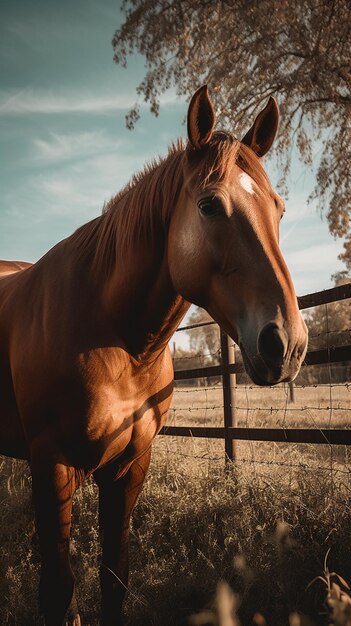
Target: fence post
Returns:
[[291, 391], [228, 382]]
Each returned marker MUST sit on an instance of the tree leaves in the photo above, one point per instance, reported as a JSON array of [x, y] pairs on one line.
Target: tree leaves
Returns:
[[246, 51]]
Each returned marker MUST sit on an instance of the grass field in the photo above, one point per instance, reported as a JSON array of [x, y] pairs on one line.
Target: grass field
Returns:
[[321, 406], [263, 525], [314, 407]]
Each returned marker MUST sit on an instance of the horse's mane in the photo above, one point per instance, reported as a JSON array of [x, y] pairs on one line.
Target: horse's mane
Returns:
[[143, 207]]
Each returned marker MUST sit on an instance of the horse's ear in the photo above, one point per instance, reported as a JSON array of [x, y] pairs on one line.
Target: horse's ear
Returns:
[[261, 134], [201, 118]]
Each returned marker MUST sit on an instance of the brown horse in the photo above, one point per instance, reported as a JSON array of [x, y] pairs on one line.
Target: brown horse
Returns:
[[86, 374]]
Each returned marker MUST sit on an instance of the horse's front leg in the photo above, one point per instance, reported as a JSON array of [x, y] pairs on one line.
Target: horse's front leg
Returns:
[[53, 488], [117, 499]]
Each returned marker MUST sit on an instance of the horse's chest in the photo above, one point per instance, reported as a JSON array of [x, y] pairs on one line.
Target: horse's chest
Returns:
[[125, 416]]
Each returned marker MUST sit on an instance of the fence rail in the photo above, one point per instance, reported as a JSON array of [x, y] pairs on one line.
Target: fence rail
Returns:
[[333, 354], [331, 436], [227, 371]]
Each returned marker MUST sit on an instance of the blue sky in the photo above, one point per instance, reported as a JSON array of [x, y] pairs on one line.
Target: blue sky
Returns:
[[65, 148]]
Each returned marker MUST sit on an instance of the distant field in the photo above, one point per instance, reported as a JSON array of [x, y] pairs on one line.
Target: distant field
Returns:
[[314, 407], [320, 406]]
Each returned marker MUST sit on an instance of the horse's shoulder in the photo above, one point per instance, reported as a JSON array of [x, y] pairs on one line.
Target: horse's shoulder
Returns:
[[115, 367]]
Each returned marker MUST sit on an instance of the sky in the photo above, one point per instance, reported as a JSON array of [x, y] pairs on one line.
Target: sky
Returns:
[[65, 149]]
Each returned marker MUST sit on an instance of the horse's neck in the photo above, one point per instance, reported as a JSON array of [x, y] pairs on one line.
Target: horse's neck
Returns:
[[139, 294], [164, 309], [141, 301], [122, 255]]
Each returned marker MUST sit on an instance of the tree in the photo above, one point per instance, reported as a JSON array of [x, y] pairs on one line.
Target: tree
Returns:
[[204, 340], [346, 255], [187, 360], [247, 50], [329, 326]]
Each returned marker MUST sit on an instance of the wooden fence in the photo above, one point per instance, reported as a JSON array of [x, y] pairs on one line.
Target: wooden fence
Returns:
[[228, 369]]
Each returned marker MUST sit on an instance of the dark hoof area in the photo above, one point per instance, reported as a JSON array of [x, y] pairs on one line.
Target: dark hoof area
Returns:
[[73, 621]]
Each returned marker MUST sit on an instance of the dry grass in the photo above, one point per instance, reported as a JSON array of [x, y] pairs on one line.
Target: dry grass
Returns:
[[280, 528], [263, 526]]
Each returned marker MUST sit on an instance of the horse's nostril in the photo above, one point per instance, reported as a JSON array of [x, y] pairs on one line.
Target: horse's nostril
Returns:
[[272, 344]]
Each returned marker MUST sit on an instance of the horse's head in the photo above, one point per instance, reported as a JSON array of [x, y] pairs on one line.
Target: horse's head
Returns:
[[224, 250]]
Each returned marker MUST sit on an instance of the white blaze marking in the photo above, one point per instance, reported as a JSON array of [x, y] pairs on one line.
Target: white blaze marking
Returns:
[[246, 182]]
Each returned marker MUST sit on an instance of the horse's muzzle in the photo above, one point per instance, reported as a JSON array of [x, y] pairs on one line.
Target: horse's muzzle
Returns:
[[275, 361], [272, 345]]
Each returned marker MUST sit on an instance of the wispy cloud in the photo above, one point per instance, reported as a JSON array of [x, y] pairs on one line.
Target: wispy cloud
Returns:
[[62, 147], [312, 266], [296, 214], [75, 190], [27, 100], [40, 101]]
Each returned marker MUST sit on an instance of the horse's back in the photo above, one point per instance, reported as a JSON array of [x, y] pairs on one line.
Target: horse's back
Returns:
[[12, 440], [11, 281], [10, 267]]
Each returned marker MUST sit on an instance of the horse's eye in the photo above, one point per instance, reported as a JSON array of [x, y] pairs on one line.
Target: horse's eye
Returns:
[[210, 207]]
